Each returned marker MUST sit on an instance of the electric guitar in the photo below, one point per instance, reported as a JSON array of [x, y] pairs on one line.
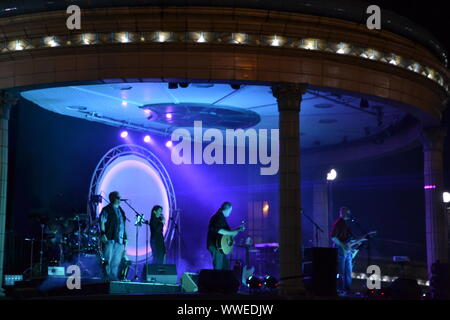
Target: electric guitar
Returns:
[[356, 245], [225, 243]]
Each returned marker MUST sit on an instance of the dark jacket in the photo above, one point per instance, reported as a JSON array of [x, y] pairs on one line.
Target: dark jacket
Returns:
[[216, 222], [112, 224]]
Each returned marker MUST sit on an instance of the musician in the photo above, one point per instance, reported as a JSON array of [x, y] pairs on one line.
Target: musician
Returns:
[[157, 237], [218, 226], [341, 235], [113, 235]]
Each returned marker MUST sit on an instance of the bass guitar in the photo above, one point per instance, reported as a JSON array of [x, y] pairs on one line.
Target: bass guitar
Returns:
[[356, 245]]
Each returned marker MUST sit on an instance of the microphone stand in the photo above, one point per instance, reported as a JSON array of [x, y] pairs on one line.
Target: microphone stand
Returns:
[[317, 227], [139, 221]]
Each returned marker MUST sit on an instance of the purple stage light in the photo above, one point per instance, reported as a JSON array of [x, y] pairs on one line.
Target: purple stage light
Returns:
[[429, 187], [168, 116], [124, 134], [147, 139], [169, 144]]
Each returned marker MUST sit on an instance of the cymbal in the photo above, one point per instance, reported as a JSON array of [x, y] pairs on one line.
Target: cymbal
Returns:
[[39, 217], [81, 216]]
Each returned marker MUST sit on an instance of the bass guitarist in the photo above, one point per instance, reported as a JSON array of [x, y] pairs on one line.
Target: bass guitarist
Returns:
[[218, 227], [341, 234]]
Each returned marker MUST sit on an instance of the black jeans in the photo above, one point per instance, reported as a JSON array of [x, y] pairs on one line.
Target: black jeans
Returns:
[[220, 261]]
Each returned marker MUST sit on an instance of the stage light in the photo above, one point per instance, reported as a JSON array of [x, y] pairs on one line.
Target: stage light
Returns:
[[235, 86], [124, 37], [446, 197], [169, 144], [254, 282], [169, 116], [163, 36], [270, 282], [19, 46], [173, 85], [332, 175], [147, 139], [124, 103], [124, 134], [201, 38], [183, 84], [239, 38], [265, 209], [275, 42], [50, 42]]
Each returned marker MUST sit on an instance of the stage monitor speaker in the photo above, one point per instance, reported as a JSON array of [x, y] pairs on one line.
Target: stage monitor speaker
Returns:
[[161, 273], [320, 270], [189, 282], [218, 281], [405, 289]]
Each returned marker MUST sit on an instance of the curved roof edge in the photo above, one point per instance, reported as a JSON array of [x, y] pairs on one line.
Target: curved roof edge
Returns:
[[348, 10]]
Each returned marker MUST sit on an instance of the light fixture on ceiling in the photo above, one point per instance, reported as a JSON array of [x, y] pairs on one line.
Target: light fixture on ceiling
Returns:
[[173, 85]]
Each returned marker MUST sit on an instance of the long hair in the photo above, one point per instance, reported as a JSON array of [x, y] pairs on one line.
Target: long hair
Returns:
[[154, 209]]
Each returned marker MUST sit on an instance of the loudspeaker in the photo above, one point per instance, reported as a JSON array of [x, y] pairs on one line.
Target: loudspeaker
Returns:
[[218, 281], [189, 282], [161, 273], [320, 270]]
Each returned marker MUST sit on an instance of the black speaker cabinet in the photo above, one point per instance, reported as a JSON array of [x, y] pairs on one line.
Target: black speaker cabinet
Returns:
[[161, 273], [218, 281], [320, 270]]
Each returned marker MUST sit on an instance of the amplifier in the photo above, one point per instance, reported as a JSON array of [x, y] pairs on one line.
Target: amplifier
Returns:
[[189, 282], [161, 273]]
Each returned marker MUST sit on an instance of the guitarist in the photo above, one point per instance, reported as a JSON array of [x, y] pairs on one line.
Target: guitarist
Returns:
[[218, 226], [341, 235]]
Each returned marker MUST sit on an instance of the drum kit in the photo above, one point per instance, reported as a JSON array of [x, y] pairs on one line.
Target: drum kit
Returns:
[[65, 240]]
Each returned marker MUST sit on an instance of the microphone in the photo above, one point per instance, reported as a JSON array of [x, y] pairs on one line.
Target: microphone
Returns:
[[125, 200]]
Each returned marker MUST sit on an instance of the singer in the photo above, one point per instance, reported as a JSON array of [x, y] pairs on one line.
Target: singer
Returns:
[[113, 235], [157, 237]]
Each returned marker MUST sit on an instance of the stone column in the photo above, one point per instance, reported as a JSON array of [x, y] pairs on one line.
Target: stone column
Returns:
[[436, 220], [289, 97], [321, 213], [6, 102]]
